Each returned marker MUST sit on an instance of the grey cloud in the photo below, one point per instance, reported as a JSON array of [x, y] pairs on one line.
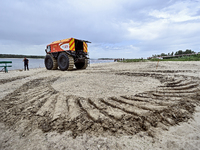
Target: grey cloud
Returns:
[[112, 25]]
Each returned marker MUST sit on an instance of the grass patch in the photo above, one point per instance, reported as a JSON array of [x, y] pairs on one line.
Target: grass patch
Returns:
[[134, 60], [184, 58]]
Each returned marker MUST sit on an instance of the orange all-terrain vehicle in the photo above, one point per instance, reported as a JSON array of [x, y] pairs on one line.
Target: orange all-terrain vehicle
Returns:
[[67, 53]]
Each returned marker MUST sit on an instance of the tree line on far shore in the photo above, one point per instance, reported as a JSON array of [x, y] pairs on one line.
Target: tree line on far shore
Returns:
[[19, 56], [180, 52], [180, 55]]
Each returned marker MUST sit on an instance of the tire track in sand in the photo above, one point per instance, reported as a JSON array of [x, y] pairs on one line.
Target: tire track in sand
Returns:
[[50, 110]]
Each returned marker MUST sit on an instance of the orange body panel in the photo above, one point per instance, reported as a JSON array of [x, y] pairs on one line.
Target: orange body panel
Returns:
[[63, 45]]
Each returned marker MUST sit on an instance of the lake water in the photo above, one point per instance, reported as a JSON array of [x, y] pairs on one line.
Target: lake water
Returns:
[[17, 63]]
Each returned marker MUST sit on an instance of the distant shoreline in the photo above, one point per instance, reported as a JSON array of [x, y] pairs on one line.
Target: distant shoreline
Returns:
[[34, 56], [19, 56]]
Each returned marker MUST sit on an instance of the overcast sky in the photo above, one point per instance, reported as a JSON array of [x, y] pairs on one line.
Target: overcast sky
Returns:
[[116, 28]]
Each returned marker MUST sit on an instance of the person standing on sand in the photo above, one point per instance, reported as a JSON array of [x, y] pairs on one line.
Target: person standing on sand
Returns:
[[26, 61]]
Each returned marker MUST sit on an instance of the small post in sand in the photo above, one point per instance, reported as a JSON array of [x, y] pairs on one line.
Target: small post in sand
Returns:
[[157, 64]]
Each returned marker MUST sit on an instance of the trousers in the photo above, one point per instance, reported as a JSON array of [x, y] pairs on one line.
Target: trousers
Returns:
[[26, 66]]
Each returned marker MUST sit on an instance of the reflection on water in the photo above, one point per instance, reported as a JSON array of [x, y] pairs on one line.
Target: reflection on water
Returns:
[[17, 63]]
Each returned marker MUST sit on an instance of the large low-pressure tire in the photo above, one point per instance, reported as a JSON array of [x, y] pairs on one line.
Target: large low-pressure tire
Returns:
[[65, 61], [50, 62], [82, 65]]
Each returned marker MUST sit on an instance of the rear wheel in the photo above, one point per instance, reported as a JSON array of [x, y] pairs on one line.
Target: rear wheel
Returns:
[[65, 62], [82, 65], [50, 62]]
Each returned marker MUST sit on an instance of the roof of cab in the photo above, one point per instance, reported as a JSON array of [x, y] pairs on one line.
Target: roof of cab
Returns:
[[67, 40]]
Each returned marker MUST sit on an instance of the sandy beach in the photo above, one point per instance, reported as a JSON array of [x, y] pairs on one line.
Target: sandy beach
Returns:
[[142, 105]]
